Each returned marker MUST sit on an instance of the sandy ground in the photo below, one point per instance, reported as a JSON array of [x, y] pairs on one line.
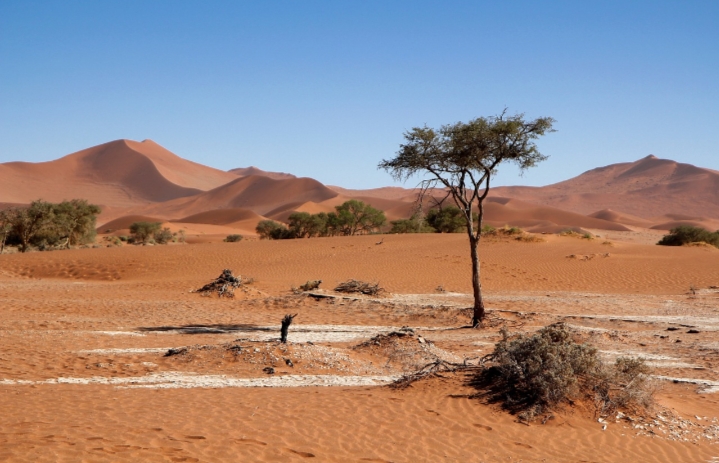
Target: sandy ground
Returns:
[[85, 375]]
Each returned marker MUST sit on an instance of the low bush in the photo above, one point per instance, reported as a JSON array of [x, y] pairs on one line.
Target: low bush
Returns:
[[233, 238], [686, 234], [142, 232], [529, 238], [488, 230], [532, 374], [163, 236]]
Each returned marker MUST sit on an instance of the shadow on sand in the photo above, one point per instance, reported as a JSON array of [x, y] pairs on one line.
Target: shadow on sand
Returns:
[[208, 329]]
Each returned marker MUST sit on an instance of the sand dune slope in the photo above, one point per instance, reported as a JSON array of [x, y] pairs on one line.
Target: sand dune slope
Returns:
[[221, 216], [111, 174], [120, 173], [646, 188], [500, 211], [256, 193], [252, 170]]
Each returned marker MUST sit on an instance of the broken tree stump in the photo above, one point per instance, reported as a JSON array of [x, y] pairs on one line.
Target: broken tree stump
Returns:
[[286, 322]]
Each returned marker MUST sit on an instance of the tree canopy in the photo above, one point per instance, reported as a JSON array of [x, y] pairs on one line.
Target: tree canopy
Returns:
[[461, 159]]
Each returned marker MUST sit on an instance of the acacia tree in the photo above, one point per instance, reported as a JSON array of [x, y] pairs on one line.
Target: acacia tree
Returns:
[[7, 218], [462, 158], [355, 216], [29, 222], [75, 221]]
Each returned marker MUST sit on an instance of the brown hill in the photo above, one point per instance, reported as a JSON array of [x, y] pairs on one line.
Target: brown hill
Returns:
[[252, 170], [120, 173], [646, 188]]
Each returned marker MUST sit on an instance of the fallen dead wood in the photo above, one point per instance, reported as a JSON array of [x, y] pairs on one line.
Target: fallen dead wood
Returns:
[[362, 287], [434, 369], [224, 285]]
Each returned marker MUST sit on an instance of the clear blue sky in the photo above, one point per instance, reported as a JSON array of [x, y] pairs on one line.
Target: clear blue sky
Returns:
[[326, 89]]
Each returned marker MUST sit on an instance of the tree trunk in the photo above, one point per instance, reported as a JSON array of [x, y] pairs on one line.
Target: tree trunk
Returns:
[[478, 314]]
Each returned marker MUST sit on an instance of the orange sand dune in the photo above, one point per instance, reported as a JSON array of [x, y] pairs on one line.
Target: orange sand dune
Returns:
[[618, 217], [646, 188], [257, 193], [252, 170], [119, 173], [123, 223], [282, 213], [181, 171], [500, 211], [711, 225], [389, 192], [221, 216]]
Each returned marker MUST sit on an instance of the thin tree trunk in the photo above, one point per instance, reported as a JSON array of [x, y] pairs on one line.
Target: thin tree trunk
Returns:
[[478, 314]]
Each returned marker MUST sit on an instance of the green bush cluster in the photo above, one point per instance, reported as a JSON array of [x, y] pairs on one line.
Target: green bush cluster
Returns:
[[233, 238], [44, 225], [686, 234], [152, 233], [351, 218]]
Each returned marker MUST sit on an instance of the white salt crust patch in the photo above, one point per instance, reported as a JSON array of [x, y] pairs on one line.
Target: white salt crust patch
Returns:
[[178, 380]]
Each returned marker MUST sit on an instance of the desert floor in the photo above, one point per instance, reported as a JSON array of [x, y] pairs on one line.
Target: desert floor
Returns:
[[84, 334]]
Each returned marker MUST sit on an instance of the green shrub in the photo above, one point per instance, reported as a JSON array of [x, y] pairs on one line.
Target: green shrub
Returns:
[[163, 236], [271, 230], [142, 232], [511, 231], [686, 234], [233, 238], [449, 219], [488, 230], [414, 224]]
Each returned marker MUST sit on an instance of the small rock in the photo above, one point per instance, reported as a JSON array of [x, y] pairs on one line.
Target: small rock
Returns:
[[269, 370], [421, 340]]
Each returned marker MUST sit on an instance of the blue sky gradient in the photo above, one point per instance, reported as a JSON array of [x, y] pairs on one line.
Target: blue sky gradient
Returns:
[[326, 89]]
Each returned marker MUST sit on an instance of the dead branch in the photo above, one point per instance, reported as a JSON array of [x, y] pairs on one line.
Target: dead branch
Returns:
[[434, 369], [286, 322], [356, 286]]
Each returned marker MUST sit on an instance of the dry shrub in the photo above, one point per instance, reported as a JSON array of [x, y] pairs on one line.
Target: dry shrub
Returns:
[[529, 238], [510, 231], [532, 374], [356, 286], [310, 285]]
